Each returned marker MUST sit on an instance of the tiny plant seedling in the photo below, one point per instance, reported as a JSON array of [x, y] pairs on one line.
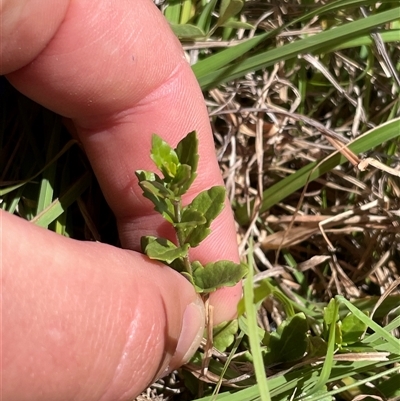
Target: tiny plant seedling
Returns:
[[192, 222]]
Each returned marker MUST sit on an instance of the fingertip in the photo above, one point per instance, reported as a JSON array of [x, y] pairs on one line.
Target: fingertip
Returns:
[[191, 335]]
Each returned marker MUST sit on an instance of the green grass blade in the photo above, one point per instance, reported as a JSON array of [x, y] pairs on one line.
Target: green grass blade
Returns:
[[204, 21], [47, 184], [223, 58], [328, 362], [255, 348], [300, 178], [320, 42], [173, 11], [57, 207], [356, 384], [394, 342], [186, 12]]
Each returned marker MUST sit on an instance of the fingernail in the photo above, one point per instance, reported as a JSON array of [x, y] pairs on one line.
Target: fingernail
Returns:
[[191, 334]]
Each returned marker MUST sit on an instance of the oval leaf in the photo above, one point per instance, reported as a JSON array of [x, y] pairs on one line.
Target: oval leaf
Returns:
[[162, 249], [223, 273]]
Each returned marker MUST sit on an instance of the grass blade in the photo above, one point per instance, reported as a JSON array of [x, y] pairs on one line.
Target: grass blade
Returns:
[[57, 207], [320, 42], [253, 330], [292, 183]]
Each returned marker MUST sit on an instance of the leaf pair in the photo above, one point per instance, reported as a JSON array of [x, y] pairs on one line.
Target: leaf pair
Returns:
[[192, 222]]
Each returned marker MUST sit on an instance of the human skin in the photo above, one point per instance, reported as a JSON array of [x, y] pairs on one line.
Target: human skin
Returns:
[[83, 320]]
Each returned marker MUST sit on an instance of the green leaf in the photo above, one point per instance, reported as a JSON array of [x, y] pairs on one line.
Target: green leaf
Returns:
[[224, 334], [182, 180], [289, 342], [155, 191], [191, 218], [228, 9], [237, 25], [352, 329], [59, 205], [212, 276], [283, 188], [187, 31], [189, 277], [209, 204], [164, 157], [162, 249], [187, 152], [330, 313]]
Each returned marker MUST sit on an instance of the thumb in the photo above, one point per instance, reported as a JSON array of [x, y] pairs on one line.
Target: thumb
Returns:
[[87, 321]]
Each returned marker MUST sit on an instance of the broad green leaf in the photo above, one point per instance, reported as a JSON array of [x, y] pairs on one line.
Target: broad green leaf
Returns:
[[162, 249], [330, 313], [228, 9], [289, 342], [164, 157], [223, 273], [187, 152], [224, 334], [187, 31], [209, 204], [352, 329]]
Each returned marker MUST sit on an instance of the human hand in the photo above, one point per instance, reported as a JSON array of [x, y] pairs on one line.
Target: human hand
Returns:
[[86, 321]]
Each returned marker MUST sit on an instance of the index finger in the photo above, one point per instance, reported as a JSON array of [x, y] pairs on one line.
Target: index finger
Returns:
[[121, 78]]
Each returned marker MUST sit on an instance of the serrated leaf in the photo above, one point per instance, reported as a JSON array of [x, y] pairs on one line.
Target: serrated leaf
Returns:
[[223, 273], [224, 334], [352, 329], [187, 31], [164, 157], [162, 249], [209, 204], [289, 342], [187, 152]]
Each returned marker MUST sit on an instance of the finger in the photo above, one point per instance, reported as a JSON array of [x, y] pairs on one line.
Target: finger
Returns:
[[87, 321], [119, 86]]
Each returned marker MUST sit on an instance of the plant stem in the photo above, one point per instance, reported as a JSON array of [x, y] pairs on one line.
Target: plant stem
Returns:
[[180, 235]]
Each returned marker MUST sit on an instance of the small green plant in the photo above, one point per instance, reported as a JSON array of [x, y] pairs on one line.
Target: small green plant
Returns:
[[192, 222]]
